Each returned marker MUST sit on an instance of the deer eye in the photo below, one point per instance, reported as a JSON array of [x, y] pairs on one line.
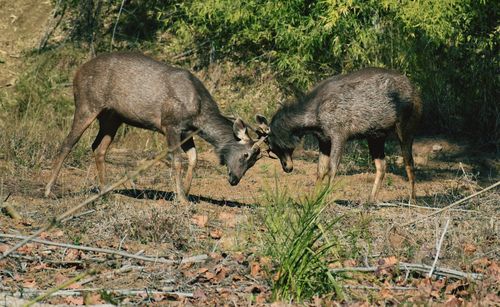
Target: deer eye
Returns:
[[246, 155]]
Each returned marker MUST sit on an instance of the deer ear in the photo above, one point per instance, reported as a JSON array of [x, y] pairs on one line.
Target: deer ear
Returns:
[[240, 130], [261, 120], [263, 128]]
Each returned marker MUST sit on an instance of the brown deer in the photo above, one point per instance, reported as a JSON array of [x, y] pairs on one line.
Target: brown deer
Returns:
[[369, 103], [134, 89]]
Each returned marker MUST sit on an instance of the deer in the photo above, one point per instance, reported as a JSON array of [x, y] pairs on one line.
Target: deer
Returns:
[[132, 88], [369, 103]]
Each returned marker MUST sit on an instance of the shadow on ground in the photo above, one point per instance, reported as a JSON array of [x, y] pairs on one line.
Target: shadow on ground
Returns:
[[170, 196]]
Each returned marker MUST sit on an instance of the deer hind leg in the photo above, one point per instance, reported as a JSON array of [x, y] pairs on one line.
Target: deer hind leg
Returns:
[[189, 148], [376, 147], [323, 161], [406, 142], [81, 121], [108, 126], [174, 145], [335, 156]]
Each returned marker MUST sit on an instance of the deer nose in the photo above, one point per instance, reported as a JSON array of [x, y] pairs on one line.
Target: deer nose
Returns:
[[287, 166], [233, 180]]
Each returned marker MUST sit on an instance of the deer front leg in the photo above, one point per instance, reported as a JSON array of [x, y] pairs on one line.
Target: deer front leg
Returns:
[[189, 148], [173, 143]]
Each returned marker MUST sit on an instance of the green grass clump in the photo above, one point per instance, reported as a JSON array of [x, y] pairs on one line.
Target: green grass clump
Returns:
[[297, 240]]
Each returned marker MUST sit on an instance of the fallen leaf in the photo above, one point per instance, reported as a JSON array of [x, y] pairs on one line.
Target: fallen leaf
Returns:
[[453, 301], [72, 255], [387, 262], [39, 267], [216, 234], [220, 274], [26, 249], [199, 294], [254, 269], [239, 257], [469, 249], [74, 300], [3, 247], [29, 283], [59, 278], [261, 298], [200, 220], [229, 219], [92, 299], [349, 263]]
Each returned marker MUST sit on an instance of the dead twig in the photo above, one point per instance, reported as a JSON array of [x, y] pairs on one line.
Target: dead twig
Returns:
[[116, 24], [123, 269], [421, 268], [438, 249], [452, 205], [131, 175], [199, 258], [395, 288], [50, 292], [75, 292], [78, 215], [420, 207]]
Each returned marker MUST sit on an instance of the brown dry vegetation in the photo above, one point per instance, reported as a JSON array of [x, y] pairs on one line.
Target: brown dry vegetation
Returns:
[[227, 223]]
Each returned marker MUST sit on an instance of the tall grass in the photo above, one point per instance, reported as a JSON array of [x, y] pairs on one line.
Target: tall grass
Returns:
[[297, 240]]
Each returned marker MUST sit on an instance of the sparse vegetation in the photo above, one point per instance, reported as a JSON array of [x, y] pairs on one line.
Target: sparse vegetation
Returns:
[[300, 243], [286, 243]]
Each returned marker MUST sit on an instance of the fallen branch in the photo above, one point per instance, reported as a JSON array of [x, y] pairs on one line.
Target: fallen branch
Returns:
[[199, 258], [438, 250], [421, 268], [395, 288], [124, 269], [56, 220], [452, 205], [75, 292], [44, 294], [420, 207]]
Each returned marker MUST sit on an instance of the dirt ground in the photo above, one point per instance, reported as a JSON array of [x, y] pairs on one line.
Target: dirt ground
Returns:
[[225, 223]]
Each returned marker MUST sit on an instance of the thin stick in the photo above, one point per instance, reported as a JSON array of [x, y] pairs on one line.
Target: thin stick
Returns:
[[199, 258], [145, 166], [438, 250], [57, 288], [396, 288], [452, 205], [123, 269], [116, 24], [7, 198], [75, 292], [422, 268], [78, 215], [420, 207]]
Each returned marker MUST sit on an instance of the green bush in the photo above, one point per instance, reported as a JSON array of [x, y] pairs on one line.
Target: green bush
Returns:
[[448, 47]]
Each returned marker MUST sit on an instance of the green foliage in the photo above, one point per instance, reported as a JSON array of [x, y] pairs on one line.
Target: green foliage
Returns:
[[448, 47], [296, 239]]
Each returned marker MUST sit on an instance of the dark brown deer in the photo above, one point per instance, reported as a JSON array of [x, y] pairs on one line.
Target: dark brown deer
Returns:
[[369, 103], [134, 89]]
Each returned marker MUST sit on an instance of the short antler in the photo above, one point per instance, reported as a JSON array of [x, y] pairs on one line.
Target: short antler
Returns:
[[257, 144]]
